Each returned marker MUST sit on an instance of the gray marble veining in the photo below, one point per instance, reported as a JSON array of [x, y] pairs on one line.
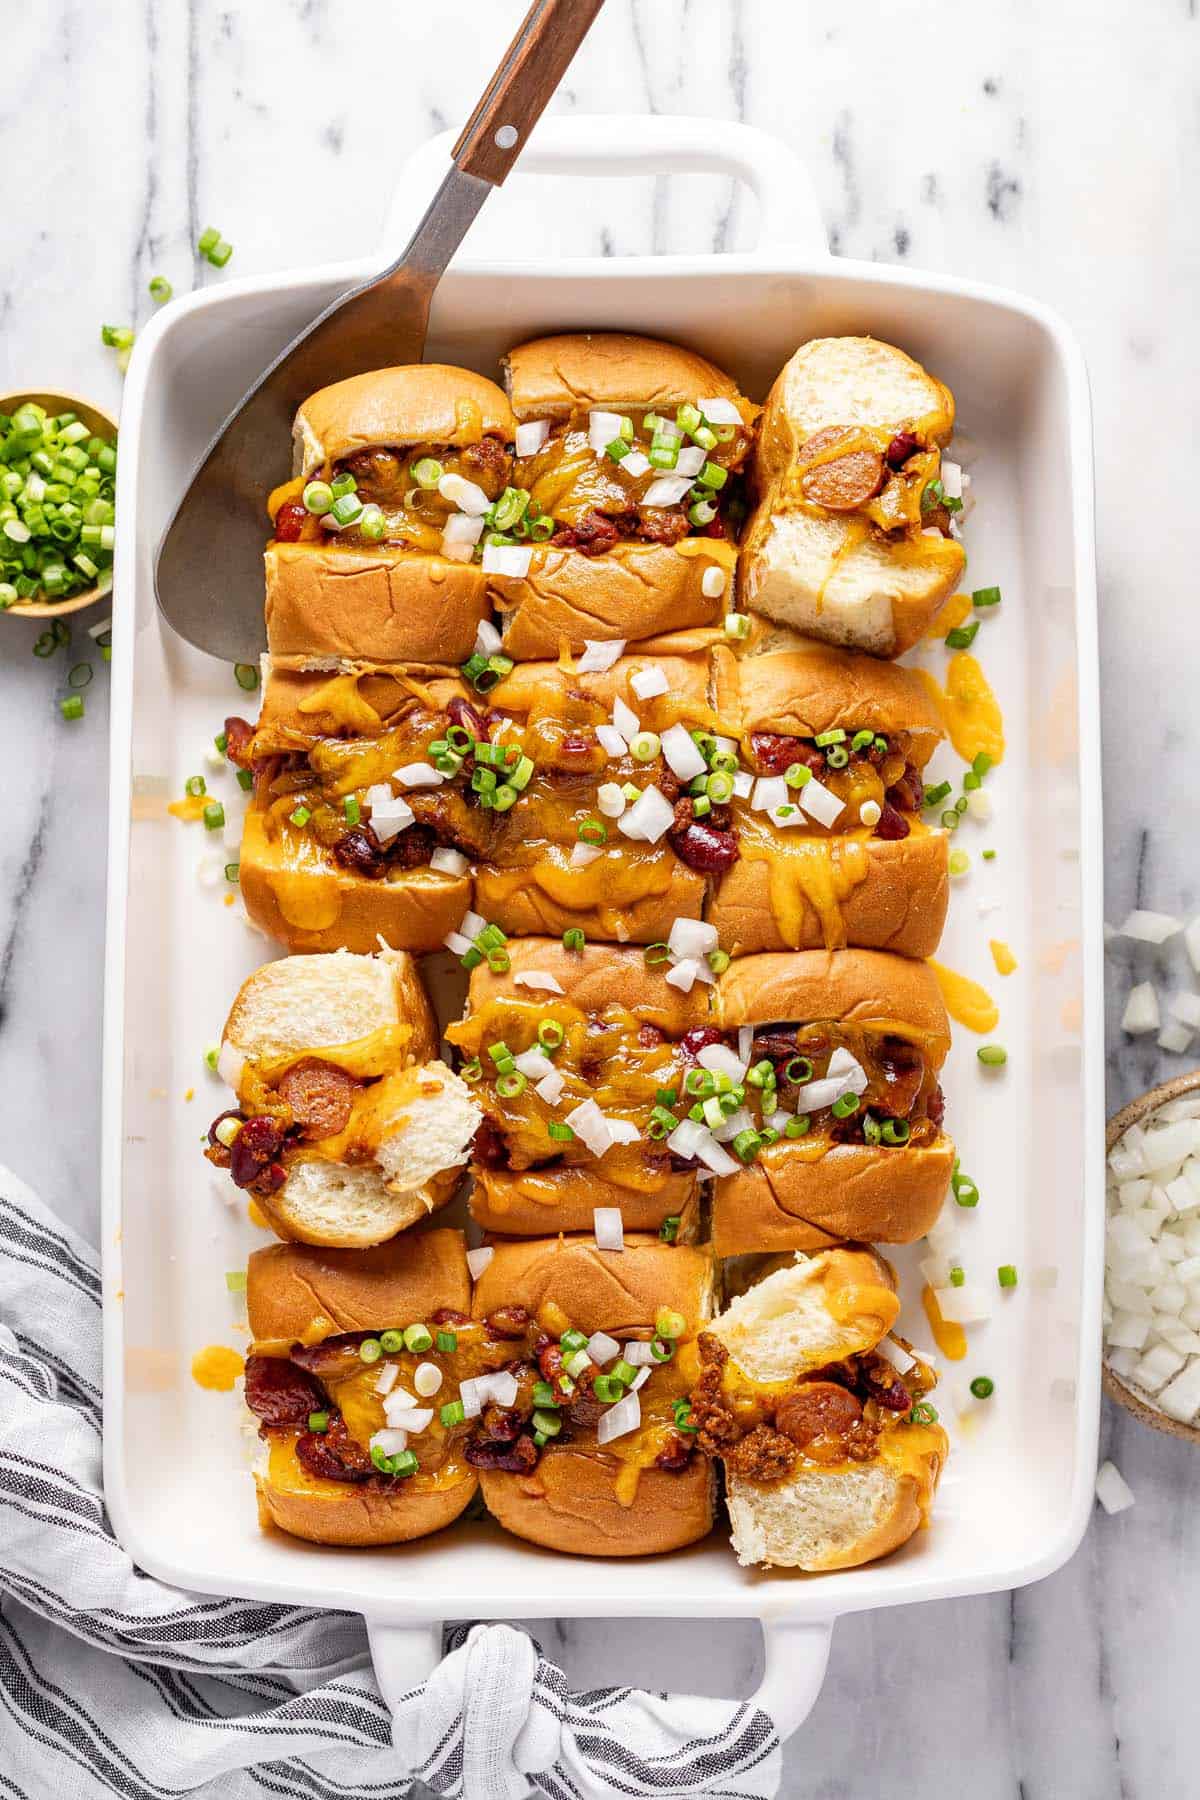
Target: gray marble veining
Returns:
[[1055, 149]]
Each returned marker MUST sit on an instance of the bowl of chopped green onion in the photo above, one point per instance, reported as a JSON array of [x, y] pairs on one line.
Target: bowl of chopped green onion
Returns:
[[58, 466]]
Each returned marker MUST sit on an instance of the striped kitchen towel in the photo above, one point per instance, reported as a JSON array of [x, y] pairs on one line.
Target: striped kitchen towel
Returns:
[[113, 1683]]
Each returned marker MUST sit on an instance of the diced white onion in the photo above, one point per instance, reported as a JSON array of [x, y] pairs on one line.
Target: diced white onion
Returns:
[[623, 1131], [683, 975], [1184, 1006], [584, 855], [533, 1064], [466, 495], [598, 654], [449, 862], [745, 1043], [388, 1377], [743, 784], [427, 1379], [610, 740], [455, 941], [648, 683], [649, 818], [471, 924], [418, 775], [608, 1228], [539, 979], [638, 1354], [1191, 938], [591, 1127], [712, 582], [550, 1087], [610, 796], [727, 1130], [1141, 1009], [230, 1063], [462, 528], [979, 805], [820, 803], [625, 719], [1150, 927], [845, 1068], [965, 1305], [635, 465], [952, 480], [869, 813], [722, 1061], [619, 1420], [603, 429], [503, 1387], [390, 1442], [639, 1381], [817, 1094], [478, 1260], [602, 1349], [487, 638], [691, 1139], [457, 552], [668, 490], [390, 813], [507, 559], [691, 937], [770, 791], [531, 435], [410, 1419], [719, 411], [690, 460], [1112, 1490]]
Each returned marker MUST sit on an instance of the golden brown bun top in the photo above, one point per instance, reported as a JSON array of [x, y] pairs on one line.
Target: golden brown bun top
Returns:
[[599, 1290], [596, 977], [557, 377], [856, 987], [819, 688], [321, 703], [530, 683], [417, 403], [298, 1292]]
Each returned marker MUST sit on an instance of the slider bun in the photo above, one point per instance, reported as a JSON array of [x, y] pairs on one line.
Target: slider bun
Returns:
[[785, 1202], [296, 1293], [593, 979], [804, 1312], [900, 906], [301, 1004], [350, 1516], [864, 988], [349, 1206], [417, 403], [633, 591], [599, 1290], [817, 573], [820, 1519], [319, 906], [569, 1504], [813, 688], [563, 376], [328, 608], [529, 1203]]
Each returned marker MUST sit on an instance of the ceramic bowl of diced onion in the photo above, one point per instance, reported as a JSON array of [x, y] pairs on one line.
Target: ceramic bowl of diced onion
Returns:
[[1152, 1275]]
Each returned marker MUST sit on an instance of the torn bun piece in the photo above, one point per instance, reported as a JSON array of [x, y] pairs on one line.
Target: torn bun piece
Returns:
[[831, 1451], [607, 1482], [325, 1389], [630, 481], [347, 1129], [850, 859], [846, 1136], [352, 834], [575, 850], [851, 539], [393, 581], [557, 1031]]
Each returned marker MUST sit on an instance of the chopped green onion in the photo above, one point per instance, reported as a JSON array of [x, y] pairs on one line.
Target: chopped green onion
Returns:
[[235, 1281], [935, 795], [318, 1421], [746, 1144], [845, 1106], [645, 746], [1006, 1275], [962, 636], [548, 1424], [718, 961], [965, 1191], [592, 831], [608, 1389], [797, 1126], [573, 938], [246, 676], [923, 1414], [668, 1231], [983, 1387], [160, 289], [351, 810], [561, 1134], [993, 1056], [661, 1123], [232, 871], [194, 785], [370, 1350], [446, 1342], [988, 855], [214, 816], [989, 596], [712, 475], [960, 862], [798, 1070], [957, 1278], [895, 1132], [318, 497], [797, 775], [427, 472], [512, 1083], [824, 738], [418, 1338], [550, 1034], [655, 955], [669, 1324], [737, 625]]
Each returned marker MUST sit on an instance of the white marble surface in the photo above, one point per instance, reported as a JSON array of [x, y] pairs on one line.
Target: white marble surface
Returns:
[[1054, 149]]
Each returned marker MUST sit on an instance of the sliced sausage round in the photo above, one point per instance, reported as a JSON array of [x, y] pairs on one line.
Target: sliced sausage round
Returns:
[[846, 482], [321, 1097], [817, 1409]]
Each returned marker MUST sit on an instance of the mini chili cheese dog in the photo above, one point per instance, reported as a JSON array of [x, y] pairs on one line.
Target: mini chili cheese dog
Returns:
[[851, 539], [355, 1356], [375, 554], [596, 1456], [820, 1083], [632, 449], [832, 1452], [347, 1129], [572, 1054], [832, 848]]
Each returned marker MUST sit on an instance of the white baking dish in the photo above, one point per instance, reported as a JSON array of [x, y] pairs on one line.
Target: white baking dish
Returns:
[[1015, 1500]]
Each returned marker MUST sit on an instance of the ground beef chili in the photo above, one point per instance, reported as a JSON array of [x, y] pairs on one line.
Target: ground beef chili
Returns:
[[829, 1415], [772, 753]]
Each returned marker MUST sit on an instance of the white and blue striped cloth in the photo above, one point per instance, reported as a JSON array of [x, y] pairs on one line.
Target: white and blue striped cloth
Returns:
[[112, 1683]]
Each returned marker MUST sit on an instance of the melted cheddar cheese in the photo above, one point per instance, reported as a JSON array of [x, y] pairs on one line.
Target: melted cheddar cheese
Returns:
[[968, 708], [967, 1003]]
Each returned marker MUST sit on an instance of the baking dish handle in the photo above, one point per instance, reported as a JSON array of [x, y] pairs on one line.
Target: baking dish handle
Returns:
[[642, 144], [487, 1684]]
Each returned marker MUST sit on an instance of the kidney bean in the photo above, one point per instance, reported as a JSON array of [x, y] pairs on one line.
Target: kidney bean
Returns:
[[550, 1361], [773, 753], [463, 714], [252, 1154], [886, 1387], [278, 1393], [698, 1038], [900, 449], [891, 825], [500, 1424], [447, 1315], [214, 1141], [704, 848], [509, 1322], [289, 522], [675, 1454]]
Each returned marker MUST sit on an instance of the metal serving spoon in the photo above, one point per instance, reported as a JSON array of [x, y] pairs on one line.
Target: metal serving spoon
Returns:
[[215, 601]]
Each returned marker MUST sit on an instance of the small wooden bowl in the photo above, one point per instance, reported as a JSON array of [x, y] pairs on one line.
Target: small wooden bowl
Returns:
[[100, 424], [1118, 1125]]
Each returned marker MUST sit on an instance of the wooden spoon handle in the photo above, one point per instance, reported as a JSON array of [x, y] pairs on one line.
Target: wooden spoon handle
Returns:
[[534, 64]]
